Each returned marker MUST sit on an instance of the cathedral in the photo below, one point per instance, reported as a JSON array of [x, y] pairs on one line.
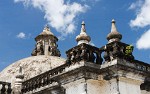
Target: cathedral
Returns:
[[110, 69]]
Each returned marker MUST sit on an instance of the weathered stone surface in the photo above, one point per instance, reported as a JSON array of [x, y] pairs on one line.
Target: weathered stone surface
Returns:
[[31, 67]]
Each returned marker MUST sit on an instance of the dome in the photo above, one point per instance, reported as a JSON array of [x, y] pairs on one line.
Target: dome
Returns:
[[31, 67]]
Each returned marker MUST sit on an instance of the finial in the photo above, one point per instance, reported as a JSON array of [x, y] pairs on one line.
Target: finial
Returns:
[[114, 35], [113, 21], [83, 27], [82, 23], [113, 26], [46, 27], [83, 37]]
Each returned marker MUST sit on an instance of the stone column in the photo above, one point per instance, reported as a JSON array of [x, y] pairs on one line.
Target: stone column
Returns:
[[46, 48]]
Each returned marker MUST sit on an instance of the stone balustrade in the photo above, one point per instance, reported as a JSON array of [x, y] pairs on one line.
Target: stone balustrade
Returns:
[[84, 52], [118, 50], [42, 80], [142, 66], [5, 88]]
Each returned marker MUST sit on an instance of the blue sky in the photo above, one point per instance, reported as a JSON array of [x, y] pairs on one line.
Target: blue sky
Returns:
[[22, 20]]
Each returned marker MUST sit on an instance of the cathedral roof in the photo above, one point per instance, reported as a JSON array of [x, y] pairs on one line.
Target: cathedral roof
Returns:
[[31, 67]]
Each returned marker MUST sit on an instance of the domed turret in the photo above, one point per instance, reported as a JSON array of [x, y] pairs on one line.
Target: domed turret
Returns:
[[83, 37], [114, 35], [46, 44]]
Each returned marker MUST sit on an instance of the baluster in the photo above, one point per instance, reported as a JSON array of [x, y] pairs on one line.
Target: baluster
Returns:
[[106, 56], [39, 83], [116, 50], [42, 80], [72, 56], [99, 59], [32, 84], [28, 86], [45, 79], [3, 88], [91, 56], [51, 81], [78, 52], [48, 78], [68, 61], [9, 89], [36, 83], [23, 88], [84, 55]]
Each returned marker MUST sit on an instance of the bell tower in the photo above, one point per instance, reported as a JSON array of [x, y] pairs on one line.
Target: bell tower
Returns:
[[46, 44]]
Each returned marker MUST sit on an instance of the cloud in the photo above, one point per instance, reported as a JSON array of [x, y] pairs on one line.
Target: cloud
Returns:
[[142, 16], [136, 5], [21, 35], [143, 42], [142, 20], [60, 14]]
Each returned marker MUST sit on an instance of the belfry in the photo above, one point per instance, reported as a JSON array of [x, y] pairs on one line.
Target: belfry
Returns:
[[46, 44]]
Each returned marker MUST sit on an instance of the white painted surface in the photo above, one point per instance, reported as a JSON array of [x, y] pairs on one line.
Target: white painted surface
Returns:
[[129, 86], [96, 87], [76, 87], [144, 92]]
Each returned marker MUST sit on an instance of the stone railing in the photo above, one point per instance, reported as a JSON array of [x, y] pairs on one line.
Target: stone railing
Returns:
[[5, 88], [43, 80], [142, 66], [84, 52], [118, 50]]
